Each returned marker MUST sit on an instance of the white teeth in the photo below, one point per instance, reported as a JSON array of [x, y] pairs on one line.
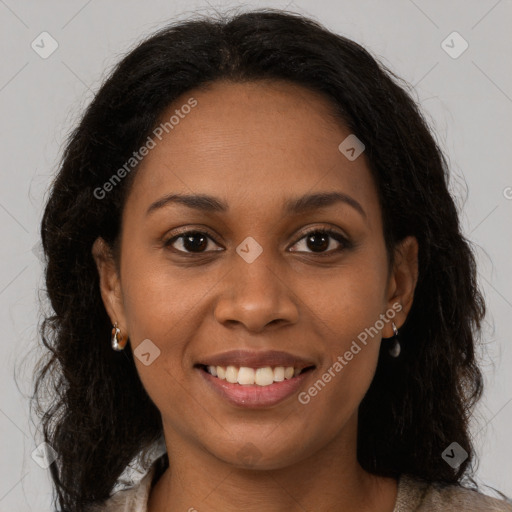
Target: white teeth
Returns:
[[246, 375], [264, 376], [231, 374], [249, 376], [279, 374]]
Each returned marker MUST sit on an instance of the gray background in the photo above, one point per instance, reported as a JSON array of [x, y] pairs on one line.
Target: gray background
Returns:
[[467, 101]]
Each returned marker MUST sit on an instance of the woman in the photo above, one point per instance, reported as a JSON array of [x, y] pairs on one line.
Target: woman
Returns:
[[257, 215]]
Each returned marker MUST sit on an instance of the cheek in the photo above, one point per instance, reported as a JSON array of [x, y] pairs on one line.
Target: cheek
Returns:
[[158, 299], [158, 307], [347, 314], [350, 301], [347, 371]]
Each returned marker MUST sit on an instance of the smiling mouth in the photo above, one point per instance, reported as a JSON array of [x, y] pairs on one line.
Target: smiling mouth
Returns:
[[246, 376]]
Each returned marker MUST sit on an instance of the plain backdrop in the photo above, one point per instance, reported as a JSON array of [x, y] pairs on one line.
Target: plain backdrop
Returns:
[[466, 97]]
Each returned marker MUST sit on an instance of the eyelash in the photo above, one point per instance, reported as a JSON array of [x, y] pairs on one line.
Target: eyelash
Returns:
[[346, 244]]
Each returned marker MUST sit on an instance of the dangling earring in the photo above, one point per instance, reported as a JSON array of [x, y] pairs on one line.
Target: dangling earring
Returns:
[[394, 349], [118, 340]]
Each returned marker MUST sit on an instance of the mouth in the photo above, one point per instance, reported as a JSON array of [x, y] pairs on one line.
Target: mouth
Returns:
[[247, 376], [254, 379], [252, 388]]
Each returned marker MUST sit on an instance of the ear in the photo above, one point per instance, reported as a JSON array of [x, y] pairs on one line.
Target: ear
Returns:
[[110, 284], [402, 282]]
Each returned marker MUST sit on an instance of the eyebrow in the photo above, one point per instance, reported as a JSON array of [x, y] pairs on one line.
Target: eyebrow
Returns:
[[210, 204]]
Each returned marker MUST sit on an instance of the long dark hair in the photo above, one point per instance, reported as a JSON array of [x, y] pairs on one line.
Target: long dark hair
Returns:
[[100, 416]]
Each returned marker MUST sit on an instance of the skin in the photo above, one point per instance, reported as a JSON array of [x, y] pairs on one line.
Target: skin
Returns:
[[254, 146]]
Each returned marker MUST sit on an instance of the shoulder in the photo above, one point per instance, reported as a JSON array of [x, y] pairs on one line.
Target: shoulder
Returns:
[[133, 499], [432, 497], [136, 481]]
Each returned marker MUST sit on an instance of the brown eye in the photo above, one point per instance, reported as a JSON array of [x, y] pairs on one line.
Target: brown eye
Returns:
[[321, 241], [190, 242]]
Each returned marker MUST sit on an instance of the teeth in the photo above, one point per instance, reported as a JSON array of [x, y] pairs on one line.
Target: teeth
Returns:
[[264, 376], [288, 372], [279, 374], [231, 374], [249, 376], [245, 375]]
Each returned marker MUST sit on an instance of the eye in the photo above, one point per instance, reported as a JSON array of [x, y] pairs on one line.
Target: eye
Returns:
[[191, 242], [319, 240]]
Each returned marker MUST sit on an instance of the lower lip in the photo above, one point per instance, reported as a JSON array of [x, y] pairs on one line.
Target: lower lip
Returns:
[[252, 395]]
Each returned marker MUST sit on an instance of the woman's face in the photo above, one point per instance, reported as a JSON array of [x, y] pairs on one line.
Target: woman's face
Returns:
[[254, 280]]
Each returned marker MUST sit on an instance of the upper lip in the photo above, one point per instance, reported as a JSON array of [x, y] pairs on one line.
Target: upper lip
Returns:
[[258, 359]]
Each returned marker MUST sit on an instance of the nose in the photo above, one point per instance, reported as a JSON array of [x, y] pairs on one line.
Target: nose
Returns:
[[256, 295]]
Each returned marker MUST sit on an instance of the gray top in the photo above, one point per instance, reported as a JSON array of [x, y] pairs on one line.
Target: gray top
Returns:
[[413, 496]]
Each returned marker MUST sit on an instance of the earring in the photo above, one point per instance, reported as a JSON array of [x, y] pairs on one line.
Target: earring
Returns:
[[118, 340], [394, 350]]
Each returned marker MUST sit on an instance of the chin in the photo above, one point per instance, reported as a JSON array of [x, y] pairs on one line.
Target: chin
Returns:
[[258, 452]]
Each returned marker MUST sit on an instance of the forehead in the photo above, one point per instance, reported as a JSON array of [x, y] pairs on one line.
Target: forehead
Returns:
[[253, 142]]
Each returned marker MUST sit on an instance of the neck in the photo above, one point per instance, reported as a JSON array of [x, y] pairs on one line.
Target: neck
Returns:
[[330, 479]]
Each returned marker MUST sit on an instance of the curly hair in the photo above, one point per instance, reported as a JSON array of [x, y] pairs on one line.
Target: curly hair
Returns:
[[100, 416]]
